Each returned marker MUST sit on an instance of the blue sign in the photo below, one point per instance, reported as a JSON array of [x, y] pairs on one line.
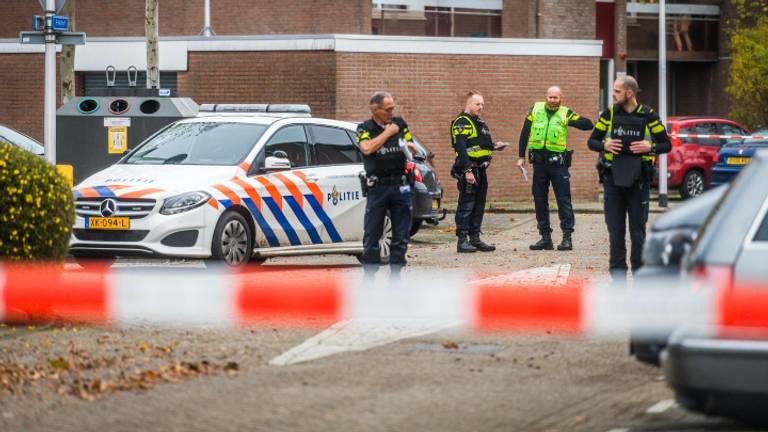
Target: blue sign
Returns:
[[60, 23]]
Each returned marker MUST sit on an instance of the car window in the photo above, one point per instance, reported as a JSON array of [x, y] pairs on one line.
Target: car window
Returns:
[[198, 143], [334, 146], [293, 141], [729, 129], [706, 129], [762, 233]]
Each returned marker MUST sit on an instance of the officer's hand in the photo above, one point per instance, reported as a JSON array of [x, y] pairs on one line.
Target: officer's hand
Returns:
[[613, 146], [392, 129], [521, 163], [500, 145], [469, 177], [640, 147]]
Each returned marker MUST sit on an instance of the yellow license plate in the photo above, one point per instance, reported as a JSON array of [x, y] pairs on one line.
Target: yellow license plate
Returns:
[[115, 223], [738, 160], [435, 204]]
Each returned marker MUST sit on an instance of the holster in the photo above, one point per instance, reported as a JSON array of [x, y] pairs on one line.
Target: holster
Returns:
[[648, 172], [568, 158], [365, 182]]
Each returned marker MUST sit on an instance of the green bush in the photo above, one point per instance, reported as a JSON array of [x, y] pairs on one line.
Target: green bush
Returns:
[[36, 208]]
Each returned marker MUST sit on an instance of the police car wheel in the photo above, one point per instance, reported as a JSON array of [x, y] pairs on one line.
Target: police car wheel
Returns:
[[232, 240], [386, 239]]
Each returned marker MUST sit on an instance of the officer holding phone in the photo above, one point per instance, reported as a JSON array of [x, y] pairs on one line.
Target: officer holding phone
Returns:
[[626, 169], [384, 140]]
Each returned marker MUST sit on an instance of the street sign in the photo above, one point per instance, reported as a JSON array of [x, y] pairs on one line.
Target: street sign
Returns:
[[38, 23], [70, 38], [34, 38], [60, 23], [59, 4], [62, 38]]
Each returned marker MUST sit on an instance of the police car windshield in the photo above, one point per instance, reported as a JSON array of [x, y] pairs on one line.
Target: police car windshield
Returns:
[[199, 143]]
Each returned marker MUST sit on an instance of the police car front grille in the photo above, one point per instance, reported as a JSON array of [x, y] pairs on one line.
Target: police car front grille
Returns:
[[110, 235], [135, 208]]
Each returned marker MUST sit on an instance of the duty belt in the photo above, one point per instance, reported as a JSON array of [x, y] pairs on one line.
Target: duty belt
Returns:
[[390, 180]]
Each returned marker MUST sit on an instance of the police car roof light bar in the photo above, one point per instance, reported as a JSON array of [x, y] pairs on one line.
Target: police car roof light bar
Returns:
[[256, 108]]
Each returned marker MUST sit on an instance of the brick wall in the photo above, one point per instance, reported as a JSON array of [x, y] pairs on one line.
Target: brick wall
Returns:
[[429, 92], [518, 19], [262, 77], [185, 17], [567, 19], [22, 93]]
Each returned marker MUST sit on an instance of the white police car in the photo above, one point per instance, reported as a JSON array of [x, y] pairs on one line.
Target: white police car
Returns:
[[228, 185]]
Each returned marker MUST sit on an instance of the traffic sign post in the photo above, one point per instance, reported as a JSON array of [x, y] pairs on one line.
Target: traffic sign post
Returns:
[[51, 29]]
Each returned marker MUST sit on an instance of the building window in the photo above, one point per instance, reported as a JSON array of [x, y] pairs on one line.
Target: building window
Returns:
[[418, 19]]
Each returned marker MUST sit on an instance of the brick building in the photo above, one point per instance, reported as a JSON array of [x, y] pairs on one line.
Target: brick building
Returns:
[[332, 54]]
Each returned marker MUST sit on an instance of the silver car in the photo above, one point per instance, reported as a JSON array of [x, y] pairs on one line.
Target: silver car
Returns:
[[710, 372]]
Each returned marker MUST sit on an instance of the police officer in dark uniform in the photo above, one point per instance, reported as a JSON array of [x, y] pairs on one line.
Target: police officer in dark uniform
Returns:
[[474, 148], [626, 170], [544, 134], [385, 142]]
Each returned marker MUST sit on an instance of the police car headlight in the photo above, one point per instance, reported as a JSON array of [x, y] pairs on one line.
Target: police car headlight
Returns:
[[184, 202]]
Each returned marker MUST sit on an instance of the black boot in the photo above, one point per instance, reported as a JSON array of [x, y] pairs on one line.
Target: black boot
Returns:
[[463, 245], [567, 243], [474, 240], [544, 244]]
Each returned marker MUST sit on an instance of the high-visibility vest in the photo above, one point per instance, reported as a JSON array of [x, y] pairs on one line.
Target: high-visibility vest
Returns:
[[547, 132], [477, 148]]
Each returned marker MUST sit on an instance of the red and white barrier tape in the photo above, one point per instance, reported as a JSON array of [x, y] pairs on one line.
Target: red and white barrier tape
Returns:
[[704, 136], [314, 298]]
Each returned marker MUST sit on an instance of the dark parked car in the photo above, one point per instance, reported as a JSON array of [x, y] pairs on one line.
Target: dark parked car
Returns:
[[20, 140], [670, 237], [428, 196], [733, 157], [691, 159], [715, 372]]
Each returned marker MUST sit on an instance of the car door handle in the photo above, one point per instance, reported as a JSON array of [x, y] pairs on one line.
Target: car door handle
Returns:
[[312, 178]]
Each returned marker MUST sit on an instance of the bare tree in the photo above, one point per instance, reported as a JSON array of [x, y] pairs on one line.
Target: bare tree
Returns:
[[153, 51], [68, 57]]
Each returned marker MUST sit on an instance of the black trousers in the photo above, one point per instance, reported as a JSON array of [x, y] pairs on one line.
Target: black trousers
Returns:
[[471, 206], [397, 201], [622, 203], [560, 178]]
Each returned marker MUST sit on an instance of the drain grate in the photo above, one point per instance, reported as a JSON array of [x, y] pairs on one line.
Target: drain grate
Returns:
[[459, 348]]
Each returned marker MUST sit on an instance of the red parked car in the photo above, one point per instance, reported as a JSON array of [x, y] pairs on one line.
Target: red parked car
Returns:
[[691, 159]]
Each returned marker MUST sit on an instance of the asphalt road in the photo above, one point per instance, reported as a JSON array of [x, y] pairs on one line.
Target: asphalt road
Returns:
[[73, 378]]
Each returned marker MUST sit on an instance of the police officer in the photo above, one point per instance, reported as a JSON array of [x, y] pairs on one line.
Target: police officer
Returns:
[[474, 147], [384, 140], [544, 134], [626, 170]]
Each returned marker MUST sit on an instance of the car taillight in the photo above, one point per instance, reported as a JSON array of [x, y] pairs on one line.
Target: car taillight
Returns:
[[417, 174], [719, 276]]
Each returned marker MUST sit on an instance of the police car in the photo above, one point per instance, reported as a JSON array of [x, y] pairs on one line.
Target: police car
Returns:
[[236, 183]]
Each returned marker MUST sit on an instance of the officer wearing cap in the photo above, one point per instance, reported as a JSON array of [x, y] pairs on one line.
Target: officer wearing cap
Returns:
[[544, 134], [474, 148], [384, 140], [626, 170]]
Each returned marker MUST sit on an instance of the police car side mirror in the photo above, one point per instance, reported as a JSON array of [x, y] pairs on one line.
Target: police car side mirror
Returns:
[[276, 163]]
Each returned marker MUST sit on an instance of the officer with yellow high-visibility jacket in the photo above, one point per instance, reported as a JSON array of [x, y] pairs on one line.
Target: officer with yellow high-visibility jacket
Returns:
[[544, 134], [626, 170], [474, 148]]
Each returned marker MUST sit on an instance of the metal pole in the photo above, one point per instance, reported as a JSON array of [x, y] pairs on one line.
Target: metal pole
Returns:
[[207, 19], [49, 112], [663, 97]]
